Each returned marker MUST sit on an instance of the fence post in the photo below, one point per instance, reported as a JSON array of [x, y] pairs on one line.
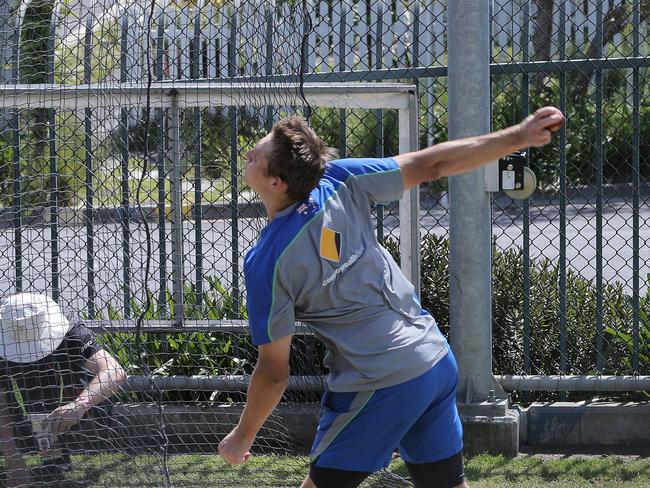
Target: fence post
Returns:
[[161, 125], [409, 204], [197, 213], [14, 42], [88, 159], [176, 210], [470, 212], [125, 213], [53, 202], [233, 117]]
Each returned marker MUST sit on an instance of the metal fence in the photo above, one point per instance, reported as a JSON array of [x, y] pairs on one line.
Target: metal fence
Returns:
[[569, 265]]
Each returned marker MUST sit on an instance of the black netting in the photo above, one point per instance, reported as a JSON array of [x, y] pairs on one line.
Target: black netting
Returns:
[[121, 210]]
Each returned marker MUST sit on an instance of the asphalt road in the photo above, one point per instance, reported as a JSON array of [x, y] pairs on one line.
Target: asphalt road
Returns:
[[218, 247]]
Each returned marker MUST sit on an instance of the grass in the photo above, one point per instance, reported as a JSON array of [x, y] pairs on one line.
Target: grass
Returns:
[[482, 471], [489, 471]]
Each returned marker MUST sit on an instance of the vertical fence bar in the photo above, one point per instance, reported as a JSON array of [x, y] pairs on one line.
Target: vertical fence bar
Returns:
[[198, 156], [17, 196], [233, 115], [431, 49], [162, 176], [409, 204], [176, 190], [234, 171], [599, 189], [308, 60], [343, 145], [90, 230], [7, 11], [525, 106], [54, 175], [379, 114], [268, 63], [636, 182], [125, 211], [562, 263]]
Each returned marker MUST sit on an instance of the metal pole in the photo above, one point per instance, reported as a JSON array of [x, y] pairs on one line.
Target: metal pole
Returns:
[[7, 22], [636, 183], [161, 125], [379, 114], [198, 156], [233, 70], [316, 384], [574, 383], [16, 173], [53, 203], [88, 150], [470, 213], [124, 165], [177, 211], [409, 205], [599, 184]]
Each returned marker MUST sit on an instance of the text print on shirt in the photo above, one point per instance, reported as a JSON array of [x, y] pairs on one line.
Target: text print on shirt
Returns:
[[351, 260]]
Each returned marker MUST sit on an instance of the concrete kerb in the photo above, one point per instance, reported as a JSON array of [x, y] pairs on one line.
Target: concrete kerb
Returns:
[[552, 427], [490, 426], [587, 425]]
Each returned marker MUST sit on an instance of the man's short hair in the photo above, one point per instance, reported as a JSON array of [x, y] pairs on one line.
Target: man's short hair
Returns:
[[298, 156]]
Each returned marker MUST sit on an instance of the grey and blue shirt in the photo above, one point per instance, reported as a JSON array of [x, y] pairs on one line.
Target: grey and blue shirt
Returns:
[[319, 262]]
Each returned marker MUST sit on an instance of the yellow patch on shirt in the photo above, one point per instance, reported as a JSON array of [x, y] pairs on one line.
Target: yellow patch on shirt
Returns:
[[330, 244]]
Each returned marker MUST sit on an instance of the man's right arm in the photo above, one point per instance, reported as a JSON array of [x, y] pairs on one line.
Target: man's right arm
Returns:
[[17, 472], [463, 155]]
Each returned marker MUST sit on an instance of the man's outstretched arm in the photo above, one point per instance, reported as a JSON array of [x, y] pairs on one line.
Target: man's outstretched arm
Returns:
[[108, 375], [463, 155], [268, 383]]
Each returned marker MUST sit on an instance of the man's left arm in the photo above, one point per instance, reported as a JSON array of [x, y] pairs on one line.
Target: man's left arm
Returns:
[[107, 374], [268, 383]]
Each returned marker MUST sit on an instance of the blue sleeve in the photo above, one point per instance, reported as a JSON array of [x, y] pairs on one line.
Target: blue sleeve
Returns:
[[271, 313], [379, 178]]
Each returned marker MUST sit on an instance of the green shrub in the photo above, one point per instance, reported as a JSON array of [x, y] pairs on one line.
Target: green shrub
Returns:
[[624, 337], [581, 113], [508, 314], [181, 353]]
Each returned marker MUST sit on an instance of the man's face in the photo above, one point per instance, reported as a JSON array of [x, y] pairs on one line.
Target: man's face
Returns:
[[256, 172]]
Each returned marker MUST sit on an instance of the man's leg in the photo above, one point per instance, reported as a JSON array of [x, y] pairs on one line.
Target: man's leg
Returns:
[[348, 447], [446, 473], [308, 483], [333, 478], [433, 447]]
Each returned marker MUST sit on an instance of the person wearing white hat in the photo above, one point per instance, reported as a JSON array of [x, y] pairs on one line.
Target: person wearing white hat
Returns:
[[51, 374]]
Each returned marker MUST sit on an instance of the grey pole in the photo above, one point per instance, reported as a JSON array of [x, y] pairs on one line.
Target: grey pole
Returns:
[[8, 19], [409, 204], [316, 383], [176, 211], [470, 214]]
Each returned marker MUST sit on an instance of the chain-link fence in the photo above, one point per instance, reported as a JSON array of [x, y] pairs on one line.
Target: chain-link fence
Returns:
[[128, 211], [571, 264]]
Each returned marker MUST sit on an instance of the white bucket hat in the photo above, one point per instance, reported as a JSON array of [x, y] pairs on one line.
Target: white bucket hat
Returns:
[[31, 327]]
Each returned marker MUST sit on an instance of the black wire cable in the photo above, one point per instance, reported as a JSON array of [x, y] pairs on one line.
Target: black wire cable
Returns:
[[304, 44], [147, 268]]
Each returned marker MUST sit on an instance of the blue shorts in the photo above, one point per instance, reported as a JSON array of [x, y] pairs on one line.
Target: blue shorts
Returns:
[[360, 431]]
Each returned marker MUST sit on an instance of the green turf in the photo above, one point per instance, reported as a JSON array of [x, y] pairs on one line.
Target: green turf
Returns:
[[483, 471]]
